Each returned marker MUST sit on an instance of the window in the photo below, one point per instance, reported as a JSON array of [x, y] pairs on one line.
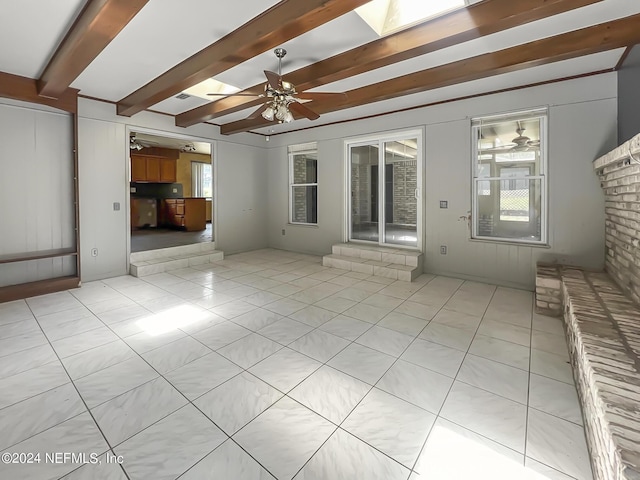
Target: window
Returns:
[[201, 180], [509, 178], [303, 184]]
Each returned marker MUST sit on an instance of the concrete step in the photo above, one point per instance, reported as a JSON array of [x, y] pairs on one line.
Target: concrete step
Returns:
[[173, 258], [396, 256], [398, 264]]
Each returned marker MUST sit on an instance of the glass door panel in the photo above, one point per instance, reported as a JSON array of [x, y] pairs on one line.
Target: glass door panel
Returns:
[[400, 191], [365, 198]]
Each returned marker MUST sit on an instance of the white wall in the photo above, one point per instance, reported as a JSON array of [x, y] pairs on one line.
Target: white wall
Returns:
[[242, 198], [36, 190], [582, 126], [103, 162]]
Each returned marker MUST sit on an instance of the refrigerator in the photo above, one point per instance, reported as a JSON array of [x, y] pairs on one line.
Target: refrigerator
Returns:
[[144, 212]]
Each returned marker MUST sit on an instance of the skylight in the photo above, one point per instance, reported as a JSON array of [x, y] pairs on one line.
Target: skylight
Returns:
[[389, 16], [210, 85]]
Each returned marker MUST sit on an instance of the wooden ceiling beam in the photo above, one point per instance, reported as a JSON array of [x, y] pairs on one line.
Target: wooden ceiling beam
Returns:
[[96, 26], [586, 41], [478, 20], [282, 22], [26, 90]]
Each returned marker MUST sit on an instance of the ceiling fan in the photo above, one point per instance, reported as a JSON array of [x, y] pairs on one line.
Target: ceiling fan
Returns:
[[282, 98], [521, 143], [138, 144]]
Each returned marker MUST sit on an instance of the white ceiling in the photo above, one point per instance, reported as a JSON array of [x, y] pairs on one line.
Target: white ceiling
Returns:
[[166, 32]]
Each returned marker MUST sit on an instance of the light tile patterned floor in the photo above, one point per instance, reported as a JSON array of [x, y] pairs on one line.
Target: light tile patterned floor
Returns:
[[268, 365]]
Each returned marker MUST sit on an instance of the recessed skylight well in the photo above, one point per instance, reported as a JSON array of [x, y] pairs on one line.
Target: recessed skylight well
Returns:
[[210, 85], [389, 16]]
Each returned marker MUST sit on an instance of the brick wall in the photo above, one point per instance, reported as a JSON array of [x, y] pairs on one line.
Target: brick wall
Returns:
[[405, 182], [620, 180]]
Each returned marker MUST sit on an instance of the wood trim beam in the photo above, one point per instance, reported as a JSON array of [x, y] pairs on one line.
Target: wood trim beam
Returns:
[[586, 41], [96, 26], [459, 26], [40, 287], [26, 90], [282, 22]]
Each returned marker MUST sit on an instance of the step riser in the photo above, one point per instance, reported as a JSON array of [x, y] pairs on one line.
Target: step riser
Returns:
[[174, 264], [397, 272], [193, 249], [411, 259]]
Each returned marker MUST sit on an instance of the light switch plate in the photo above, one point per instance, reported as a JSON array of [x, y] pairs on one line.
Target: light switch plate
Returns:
[[116, 206], [444, 204], [443, 249]]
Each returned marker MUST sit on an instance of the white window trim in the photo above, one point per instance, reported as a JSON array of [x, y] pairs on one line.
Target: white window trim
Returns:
[[194, 179], [543, 114], [292, 185]]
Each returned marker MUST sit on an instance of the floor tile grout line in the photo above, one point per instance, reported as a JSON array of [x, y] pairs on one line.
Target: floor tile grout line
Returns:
[[438, 415], [88, 410], [526, 420]]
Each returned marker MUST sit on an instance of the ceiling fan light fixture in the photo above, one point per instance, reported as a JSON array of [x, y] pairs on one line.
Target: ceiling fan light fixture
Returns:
[[288, 118], [268, 114], [282, 111]]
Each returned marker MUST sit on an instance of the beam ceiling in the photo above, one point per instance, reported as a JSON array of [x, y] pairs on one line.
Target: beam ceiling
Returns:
[[586, 41], [97, 25], [25, 89], [282, 22], [459, 26]]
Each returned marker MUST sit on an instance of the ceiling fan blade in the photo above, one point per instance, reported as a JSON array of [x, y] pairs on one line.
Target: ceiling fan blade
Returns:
[[274, 79], [320, 96], [304, 111], [258, 112]]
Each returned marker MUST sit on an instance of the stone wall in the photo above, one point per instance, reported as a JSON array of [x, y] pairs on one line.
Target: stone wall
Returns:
[[548, 290], [620, 179], [603, 335]]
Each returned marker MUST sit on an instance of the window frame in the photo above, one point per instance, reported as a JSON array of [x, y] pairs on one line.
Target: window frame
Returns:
[[476, 125], [292, 152]]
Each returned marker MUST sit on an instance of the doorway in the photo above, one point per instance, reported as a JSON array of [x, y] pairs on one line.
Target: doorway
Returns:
[[171, 191], [384, 180]]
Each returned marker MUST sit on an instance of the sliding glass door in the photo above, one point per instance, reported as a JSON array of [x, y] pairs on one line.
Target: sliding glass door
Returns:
[[384, 182]]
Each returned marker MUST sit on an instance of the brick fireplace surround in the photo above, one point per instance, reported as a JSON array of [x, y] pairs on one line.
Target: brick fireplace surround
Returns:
[[602, 322]]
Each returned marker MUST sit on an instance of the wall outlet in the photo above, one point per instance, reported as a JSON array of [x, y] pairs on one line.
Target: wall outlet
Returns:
[[283, 232], [444, 204], [94, 252], [174, 190], [132, 190], [116, 206], [443, 249]]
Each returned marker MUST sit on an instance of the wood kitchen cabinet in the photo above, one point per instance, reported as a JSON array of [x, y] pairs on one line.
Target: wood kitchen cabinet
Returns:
[[187, 213], [167, 170], [152, 169], [138, 168]]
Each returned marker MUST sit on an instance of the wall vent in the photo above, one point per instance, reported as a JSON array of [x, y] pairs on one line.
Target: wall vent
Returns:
[[182, 96]]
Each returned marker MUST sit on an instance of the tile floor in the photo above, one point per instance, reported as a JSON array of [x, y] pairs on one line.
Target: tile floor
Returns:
[[267, 365], [154, 238]]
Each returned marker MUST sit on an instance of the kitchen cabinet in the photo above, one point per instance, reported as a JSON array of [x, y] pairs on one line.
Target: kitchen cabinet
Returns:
[[187, 213], [138, 168], [167, 170], [152, 169]]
